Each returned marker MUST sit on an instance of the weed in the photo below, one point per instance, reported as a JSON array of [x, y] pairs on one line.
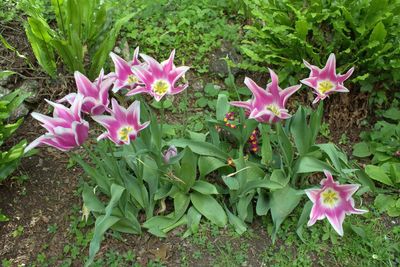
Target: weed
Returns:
[[18, 232]]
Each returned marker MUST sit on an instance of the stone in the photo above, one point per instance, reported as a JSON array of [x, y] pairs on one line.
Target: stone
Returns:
[[32, 87], [4, 91], [5, 80], [219, 65], [19, 112]]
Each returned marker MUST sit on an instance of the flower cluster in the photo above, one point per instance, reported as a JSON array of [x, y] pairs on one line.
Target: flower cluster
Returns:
[[268, 105], [67, 129], [230, 116], [253, 140]]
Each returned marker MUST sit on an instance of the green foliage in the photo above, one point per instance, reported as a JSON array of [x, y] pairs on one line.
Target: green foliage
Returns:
[[8, 11], [9, 159], [198, 26], [361, 33], [85, 34], [382, 145]]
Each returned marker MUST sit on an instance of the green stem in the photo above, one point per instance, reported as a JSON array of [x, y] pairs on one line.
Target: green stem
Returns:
[[61, 18], [185, 123], [162, 122]]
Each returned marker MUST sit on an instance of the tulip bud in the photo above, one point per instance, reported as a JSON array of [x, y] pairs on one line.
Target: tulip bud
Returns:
[[169, 153]]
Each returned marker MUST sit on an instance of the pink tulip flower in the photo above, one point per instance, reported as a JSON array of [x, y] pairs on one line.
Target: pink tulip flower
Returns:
[[332, 201], [65, 130], [267, 106], [125, 78], [159, 78], [123, 125], [326, 81], [95, 94]]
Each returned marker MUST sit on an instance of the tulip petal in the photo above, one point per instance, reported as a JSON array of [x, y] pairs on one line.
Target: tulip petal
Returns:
[[84, 85], [70, 98], [336, 220], [241, 104]]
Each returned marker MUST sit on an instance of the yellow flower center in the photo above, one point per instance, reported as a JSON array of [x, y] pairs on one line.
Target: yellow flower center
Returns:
[[274, 109], [124, 132], [330, 197], [160, 87], [132, 79], [325, 86]]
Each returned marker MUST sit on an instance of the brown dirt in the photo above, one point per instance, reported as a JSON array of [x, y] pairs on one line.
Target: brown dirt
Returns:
[[43, 200]]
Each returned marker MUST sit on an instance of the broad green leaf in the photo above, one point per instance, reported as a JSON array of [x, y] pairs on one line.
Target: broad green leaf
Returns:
[[279, 177], [285, 144], [222, 106], [310, 164], [378, 174], [209, 207], [334, 154], [201, 137], [201, 148], [264, 183], [90, 200], [43, 52], [392, 113], [205, 188], [361, 150], [383, 202], [193, 221], [188, 169], [303, 219], [301, 131], [238, 224], [126, 226], [263, 205], [266, 149], [40, 29], [282, 202], [231, 181], [103, 223], [209, 164], [243, 206], [315, 122]]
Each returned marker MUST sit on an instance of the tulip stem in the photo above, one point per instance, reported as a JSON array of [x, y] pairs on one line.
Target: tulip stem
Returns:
[[162, 121]]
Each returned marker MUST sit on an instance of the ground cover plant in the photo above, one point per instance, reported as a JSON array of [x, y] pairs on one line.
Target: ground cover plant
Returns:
[[382, 144], [10, 157], [200, 26], [283, 33], [147, 158]]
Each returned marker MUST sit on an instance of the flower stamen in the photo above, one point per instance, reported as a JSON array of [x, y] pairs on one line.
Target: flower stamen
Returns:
[[160, 87], [329, 197], [132, 79], [325, 86], [124, 133], [274, 109]]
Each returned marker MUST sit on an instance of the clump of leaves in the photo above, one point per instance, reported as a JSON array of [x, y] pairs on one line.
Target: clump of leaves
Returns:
[[382, 145], [364, 33], [9, 159], [199, 26], [85, 34]]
